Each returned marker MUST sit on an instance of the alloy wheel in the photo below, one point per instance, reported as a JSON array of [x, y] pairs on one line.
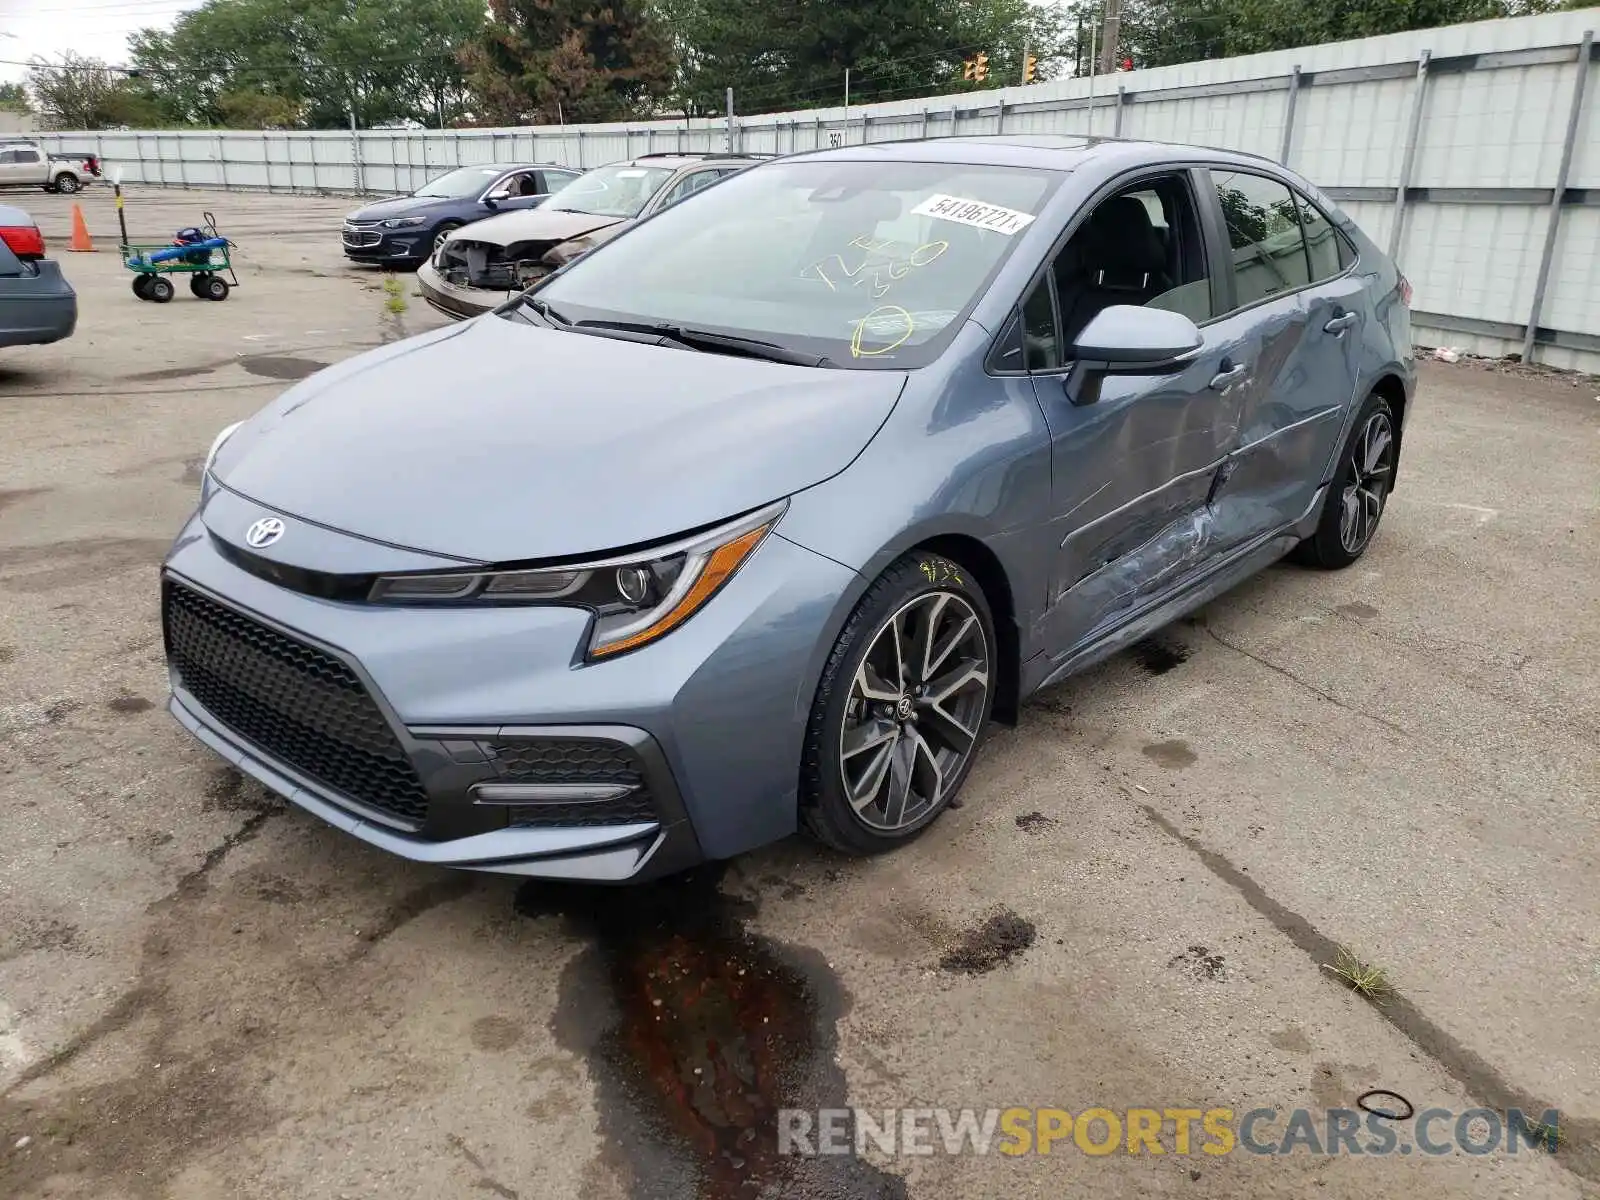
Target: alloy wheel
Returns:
[[915, 711], [439, 239], [1367, 486]]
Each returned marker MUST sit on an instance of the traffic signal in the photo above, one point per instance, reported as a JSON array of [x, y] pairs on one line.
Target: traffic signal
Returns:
[[980, 67], [1030, 68]]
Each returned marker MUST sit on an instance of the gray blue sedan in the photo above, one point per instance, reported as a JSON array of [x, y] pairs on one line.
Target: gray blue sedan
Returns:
[[37, 304], [755, 518]]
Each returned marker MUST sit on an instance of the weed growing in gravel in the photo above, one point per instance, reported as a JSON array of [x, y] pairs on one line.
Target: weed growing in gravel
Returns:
[[1359, 976]]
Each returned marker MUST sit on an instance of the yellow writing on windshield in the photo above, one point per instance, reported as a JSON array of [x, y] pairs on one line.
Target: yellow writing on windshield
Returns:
[[892, 316]]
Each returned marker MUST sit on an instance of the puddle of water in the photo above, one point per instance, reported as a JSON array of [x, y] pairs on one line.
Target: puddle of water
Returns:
[[698, 1033]]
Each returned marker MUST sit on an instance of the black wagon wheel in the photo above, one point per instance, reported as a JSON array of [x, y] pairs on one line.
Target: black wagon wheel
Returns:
[[197, 284], [158, 289], [141, 285], [216, 288]]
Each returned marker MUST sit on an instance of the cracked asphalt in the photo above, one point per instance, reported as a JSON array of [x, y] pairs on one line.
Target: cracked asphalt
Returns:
[[204, 994]]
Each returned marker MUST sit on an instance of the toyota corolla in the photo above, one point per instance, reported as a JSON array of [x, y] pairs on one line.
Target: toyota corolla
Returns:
[[757, 516]]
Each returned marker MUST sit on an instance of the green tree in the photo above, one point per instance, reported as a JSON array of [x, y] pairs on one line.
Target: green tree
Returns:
[[547, 61], [78, 92], [1156, 33], [14, 96], [795, 55], [310, 62]]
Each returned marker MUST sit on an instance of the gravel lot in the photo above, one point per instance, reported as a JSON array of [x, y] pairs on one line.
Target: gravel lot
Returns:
[[206, 995]]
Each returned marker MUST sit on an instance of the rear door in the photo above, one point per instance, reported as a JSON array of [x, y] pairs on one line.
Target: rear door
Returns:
[[1337, 310], [1288, 406]]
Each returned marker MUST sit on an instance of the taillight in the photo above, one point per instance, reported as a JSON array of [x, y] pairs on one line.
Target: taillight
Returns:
[[25, 241], [1405, 291]]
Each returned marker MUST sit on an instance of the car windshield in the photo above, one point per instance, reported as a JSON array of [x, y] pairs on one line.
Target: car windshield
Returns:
[[460, 183], [869, 264], [617, 191]]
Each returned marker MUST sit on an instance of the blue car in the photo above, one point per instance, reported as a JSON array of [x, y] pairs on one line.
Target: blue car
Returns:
[[753, 518], [405, 231]]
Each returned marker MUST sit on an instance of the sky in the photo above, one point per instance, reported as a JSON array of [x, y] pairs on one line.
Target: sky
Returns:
[[97, 28]]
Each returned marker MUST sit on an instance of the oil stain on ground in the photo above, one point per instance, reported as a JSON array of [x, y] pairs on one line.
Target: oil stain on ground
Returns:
[[1174, 754], [280, 366], [698, 1033], [1158, 655]]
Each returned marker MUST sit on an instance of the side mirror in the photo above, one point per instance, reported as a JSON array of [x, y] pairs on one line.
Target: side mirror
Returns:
[[1127, 339], [496, 196]]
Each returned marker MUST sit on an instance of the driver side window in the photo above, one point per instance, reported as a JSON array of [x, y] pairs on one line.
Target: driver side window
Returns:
[[1141, 246]]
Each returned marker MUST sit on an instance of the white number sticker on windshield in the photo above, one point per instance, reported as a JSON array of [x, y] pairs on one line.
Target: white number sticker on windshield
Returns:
[[975, 213]]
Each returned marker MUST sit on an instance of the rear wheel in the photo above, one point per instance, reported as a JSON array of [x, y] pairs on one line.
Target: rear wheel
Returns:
[[216, 288], [197, 284], [901, 709], [1360, 489], [66, 183], [141, 284], [158, 289]]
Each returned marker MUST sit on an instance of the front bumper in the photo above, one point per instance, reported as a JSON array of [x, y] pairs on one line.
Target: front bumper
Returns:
[[454, 301], [711, 716], [370, 244]]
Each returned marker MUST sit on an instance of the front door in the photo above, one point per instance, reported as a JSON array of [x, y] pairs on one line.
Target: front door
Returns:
[[1132, 472]]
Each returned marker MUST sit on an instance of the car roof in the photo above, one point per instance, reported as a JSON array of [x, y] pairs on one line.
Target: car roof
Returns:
[[685, 158], [1062, 152]]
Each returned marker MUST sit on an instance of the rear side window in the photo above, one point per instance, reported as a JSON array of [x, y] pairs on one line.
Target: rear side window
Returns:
[[1268, 250], [1324, 244]]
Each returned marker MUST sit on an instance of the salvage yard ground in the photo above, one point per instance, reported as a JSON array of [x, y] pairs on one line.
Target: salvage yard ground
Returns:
[[206, 995]]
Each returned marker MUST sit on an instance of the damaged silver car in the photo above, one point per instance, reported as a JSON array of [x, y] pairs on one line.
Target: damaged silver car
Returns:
[[478, 267]]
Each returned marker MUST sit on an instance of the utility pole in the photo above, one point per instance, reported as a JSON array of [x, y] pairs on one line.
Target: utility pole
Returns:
[[730, 120], [1024, 72], [1110, 37]]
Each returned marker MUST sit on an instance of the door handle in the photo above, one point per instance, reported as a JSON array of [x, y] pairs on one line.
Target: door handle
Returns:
[[1222, 379], [1340, 323]]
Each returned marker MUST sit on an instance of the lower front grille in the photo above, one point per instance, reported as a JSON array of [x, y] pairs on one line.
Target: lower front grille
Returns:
[[359, 238], [300, 705], [574, 760]]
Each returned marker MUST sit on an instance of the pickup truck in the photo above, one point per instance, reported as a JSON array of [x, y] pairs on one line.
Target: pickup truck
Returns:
[[26, 164]]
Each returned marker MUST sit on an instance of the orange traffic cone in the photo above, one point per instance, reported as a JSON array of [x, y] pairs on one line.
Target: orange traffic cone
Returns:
[[80, 231]]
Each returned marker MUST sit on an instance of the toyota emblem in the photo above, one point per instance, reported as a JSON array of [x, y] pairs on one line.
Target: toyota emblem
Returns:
[[264, 532]]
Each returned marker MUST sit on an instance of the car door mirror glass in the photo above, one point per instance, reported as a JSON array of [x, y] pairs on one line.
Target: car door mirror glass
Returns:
[[1126, 337], [498, 194]]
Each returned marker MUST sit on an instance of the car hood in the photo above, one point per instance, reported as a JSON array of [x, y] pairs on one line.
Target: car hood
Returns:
[[497, 441], [536, 225], [402, 206]]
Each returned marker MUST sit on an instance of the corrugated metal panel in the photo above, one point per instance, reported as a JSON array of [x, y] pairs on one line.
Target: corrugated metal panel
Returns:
[[1573, 301]]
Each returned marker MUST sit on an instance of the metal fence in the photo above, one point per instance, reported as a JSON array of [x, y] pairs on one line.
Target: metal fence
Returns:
[[1472, 152]]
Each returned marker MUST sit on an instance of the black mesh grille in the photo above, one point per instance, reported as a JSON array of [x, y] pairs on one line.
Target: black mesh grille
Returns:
[[301, 706], [575, 760]]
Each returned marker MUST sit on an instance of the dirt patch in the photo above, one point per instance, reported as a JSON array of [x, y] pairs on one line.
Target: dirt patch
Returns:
[[126, 704], [1174, 754], [81, 562], [25, 934], [1361, 612], [997, 941], [496, 1033], [229, 790], [1034, 822], [17, 495], [1201, 963]]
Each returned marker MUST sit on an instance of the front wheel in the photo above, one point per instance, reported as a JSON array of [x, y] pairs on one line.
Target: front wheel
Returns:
[[440, 234], [158, 289], [901, 709], [1359, 491]]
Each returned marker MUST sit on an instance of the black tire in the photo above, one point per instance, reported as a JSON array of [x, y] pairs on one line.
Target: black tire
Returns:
[[66, 184], [440, 231], [1362, 480], [141, 284], [197, 284], [909, 587], [158, 290], [216, 288]]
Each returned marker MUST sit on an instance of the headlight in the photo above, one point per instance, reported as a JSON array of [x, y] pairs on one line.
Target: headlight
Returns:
[[636, 598], [403, 222], [211, 454], [560, 256]]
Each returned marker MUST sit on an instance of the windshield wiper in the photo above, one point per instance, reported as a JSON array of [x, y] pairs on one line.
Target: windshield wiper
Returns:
[[715, 343], [542, 307]]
